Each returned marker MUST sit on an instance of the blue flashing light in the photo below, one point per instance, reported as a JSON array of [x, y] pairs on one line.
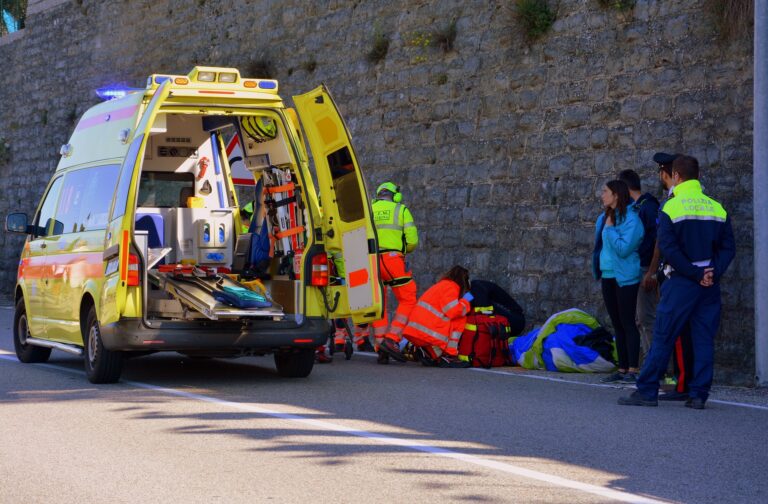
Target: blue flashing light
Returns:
[[114, 92], [267, 84], [159, 79]]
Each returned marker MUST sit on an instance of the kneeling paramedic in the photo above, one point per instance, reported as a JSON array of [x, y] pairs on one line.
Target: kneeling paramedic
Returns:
[[397, 236], [696, 239], [438, 319]]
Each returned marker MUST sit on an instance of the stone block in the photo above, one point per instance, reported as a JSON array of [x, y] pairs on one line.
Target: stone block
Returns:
[[560, 165]]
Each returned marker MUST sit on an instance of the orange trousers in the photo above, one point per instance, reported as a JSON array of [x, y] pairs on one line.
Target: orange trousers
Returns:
[[396, 276]]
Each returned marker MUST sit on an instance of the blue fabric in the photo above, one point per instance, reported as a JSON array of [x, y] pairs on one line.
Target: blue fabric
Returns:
[[153, 224], [260, 245], [620, 244], [240, 297], [522, 344], [563, 338]]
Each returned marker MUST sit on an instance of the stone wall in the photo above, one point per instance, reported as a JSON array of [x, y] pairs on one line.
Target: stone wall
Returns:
[[501, 145]]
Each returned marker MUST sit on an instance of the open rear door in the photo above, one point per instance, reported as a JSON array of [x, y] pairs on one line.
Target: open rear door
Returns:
[[117, 245], [347, 224]]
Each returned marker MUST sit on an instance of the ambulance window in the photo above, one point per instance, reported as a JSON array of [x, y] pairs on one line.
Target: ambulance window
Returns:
[[84, 204], [121, 195], [346, 185], [45, 217], [165, 189]]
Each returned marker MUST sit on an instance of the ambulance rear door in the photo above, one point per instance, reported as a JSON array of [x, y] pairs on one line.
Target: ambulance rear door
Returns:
[[121, 263], [347, 225]]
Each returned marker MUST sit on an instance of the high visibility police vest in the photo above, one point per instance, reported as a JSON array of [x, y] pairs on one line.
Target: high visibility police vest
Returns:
[[691, 231], [690, 203], [395, 228]]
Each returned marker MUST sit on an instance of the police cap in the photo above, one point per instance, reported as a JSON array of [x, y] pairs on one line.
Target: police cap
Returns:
[[663, 158]]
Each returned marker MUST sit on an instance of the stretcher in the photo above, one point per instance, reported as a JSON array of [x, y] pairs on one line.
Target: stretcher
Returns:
[[198, 289]]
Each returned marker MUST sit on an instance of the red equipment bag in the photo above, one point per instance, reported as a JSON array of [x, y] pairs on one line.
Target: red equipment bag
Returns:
[[485, 341]]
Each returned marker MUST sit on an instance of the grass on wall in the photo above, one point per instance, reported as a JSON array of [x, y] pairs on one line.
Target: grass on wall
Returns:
[[535, 17], [733, 18], [380, 47]]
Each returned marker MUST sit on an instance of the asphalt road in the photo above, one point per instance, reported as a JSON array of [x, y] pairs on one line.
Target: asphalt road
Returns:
[[181, 430]]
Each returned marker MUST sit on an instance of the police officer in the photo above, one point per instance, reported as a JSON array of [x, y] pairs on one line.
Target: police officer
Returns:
[[696, 239], [682, 356], [398, 236]]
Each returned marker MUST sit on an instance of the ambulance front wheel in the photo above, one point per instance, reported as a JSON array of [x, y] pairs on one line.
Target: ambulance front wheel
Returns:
[[24, 352], [295, 363], [101, 365]]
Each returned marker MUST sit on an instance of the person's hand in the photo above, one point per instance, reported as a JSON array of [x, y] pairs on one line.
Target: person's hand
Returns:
[[468, 296], [649, 281], [708, 280]]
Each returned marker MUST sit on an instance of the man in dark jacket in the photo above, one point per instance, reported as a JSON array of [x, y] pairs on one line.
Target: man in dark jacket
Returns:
[[489, 294], [647, 208]]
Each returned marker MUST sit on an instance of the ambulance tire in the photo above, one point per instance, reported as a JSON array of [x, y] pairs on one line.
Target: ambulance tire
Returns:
[[101, 365], [295, 363], [26, 353]]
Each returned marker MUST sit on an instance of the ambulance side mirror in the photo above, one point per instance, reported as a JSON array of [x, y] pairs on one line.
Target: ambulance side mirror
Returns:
[[17, 223]]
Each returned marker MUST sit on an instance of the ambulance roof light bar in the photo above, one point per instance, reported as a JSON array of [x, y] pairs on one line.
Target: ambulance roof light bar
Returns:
[[114, 92], [202, 76]]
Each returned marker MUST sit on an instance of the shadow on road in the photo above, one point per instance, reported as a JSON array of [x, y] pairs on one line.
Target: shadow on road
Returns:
[[528, 423]]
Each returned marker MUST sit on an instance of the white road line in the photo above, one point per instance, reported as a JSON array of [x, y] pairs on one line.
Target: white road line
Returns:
[[585, 384], [551, 479]]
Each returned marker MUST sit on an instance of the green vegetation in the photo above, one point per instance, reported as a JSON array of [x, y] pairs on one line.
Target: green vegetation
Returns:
[[535, 17], [619, 5], [445, 37], [733, 18], [380, 47]]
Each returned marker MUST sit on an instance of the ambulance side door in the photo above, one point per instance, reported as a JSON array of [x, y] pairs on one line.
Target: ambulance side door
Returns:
[[34, 270], [117, 244], [347, 223]]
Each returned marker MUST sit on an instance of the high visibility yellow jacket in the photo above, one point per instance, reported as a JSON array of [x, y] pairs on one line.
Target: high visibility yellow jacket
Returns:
[[395, 228]]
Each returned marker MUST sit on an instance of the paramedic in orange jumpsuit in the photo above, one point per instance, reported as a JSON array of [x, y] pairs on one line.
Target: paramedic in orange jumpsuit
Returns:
[[437, 321], [397, 236]]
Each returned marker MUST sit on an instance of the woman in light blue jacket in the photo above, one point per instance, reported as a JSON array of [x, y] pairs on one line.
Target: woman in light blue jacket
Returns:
[[616, 263]]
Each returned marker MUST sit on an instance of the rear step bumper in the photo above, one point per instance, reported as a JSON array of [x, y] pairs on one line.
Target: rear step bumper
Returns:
[[252, 337]]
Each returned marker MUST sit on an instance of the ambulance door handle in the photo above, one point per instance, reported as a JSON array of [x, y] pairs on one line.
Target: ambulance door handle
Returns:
[[43, 245]]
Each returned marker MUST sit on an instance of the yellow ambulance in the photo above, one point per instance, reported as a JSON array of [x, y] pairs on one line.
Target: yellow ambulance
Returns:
[[139, 244]]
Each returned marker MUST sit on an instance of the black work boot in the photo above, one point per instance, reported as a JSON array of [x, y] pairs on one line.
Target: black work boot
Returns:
[[383, 358], [391, 348], [695, 403], [453, 362], [637, 399]]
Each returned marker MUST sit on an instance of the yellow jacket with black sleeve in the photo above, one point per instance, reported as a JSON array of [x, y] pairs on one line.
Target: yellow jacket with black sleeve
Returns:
[[695, 233], [395, 228]]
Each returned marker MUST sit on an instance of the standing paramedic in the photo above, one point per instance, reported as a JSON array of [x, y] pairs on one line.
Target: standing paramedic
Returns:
[[397, 236], [696, 240]]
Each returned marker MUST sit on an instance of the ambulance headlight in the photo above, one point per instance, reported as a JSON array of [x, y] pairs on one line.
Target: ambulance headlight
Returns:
[[206, 76], [227, 77]]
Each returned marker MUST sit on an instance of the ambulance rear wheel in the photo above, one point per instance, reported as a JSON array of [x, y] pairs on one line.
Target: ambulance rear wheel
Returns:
[[295, 363], [101, 365], [24, 352]]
